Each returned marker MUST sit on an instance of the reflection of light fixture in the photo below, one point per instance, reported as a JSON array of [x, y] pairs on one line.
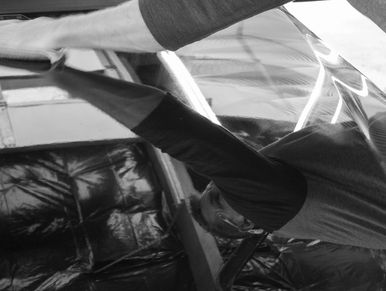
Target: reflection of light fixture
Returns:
[[188, 85], [339, 107], [312, 100], [317, 89], [364, 92], [332, 57]]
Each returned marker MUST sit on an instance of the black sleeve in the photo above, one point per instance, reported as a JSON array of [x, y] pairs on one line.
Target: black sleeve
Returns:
[[176, 23], [264, 190]]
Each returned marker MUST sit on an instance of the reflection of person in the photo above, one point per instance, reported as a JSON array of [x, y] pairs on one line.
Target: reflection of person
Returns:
[[319, 183], [148, 25], [322, 182]]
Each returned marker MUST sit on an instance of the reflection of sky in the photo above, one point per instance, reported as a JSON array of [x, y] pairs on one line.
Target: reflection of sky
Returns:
[[354, 36]]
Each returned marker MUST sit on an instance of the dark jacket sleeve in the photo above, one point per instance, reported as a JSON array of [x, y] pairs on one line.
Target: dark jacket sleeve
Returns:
[[176, 23], [264, 190]]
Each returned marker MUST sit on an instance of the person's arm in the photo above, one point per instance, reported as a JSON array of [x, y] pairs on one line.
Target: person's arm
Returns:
[[267, 191], [154, 25], [148, 25], [135, 26], [176, 23], [119, 28], [264, 190]]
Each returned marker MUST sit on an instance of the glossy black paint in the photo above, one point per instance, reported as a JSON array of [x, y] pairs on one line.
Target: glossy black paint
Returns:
[[66, 213]]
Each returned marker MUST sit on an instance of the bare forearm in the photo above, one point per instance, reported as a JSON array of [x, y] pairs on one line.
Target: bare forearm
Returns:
[[118, 28]]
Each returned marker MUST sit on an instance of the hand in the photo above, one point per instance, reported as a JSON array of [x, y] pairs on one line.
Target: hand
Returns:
[[37, 34]]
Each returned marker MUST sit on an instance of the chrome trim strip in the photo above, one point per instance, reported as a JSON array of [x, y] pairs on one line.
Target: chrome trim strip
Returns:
[[7, 139]]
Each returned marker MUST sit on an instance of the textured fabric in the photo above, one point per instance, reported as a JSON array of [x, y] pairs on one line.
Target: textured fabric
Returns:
[[346, 197], [266, 191], [141, 37], [175, 23]]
